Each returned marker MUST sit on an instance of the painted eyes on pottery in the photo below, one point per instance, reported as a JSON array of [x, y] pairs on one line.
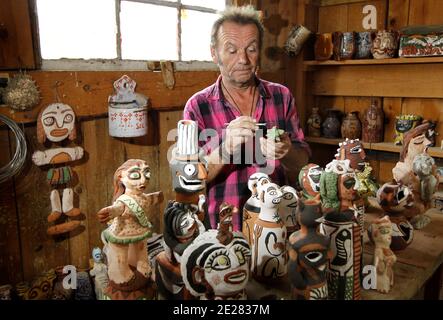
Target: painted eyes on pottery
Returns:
[[419, 140], [220, 261], [134, 175], [314, 256], [349, 183], [288, 196], [49, 121], [385, 230], [189, 169], [68, 118], [356, 149], [240, 257]]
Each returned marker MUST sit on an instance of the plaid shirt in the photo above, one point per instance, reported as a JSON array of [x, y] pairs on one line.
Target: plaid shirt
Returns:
[[210, 109]]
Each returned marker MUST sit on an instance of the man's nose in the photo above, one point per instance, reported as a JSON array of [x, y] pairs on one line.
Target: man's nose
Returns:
[[242, 56]]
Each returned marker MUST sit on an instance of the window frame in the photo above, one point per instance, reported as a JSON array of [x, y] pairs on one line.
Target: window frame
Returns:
[[118, 63]]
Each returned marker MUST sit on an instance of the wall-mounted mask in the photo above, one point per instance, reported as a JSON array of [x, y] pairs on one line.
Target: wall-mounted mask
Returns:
[[56, 122]]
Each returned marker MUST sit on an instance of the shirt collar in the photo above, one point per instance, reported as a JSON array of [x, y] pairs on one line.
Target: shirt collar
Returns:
[[216, 92]]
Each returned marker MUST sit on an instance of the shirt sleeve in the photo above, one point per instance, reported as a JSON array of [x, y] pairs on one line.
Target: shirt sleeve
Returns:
[[293, 126]]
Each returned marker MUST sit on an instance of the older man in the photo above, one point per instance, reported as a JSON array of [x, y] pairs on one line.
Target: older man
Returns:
[[235, 105]]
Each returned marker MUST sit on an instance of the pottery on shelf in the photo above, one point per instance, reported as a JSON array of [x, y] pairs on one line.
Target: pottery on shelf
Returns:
[[296, 39], [385, 44], [323, 46], [351, 126], [314, 123], [373, 122], [331, 125], [344, 45], [403, 124], [363, 44]]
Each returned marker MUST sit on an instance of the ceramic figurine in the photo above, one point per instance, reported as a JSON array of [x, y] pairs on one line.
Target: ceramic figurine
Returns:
[[40, 288], [344, 45], [324, 47], [384, 258], [128, 110], [288, 209], [269, 253], [415, 143], [373, 123], [56, 123], [343, 272], [216, 265], [314, 123], [308, 255], [251, 209], [403, 124], [396, 200], [297, 37], [5, 292], [431, 134], [385, 44], [84, 289], [186, 217], [309, 180], [99, 272], [129, 226], [424, 166], [331, 125], [363, 44], [351, 126]]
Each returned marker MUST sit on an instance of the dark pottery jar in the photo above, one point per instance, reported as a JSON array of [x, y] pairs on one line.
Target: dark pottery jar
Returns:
[[331, 125], [351, 126]]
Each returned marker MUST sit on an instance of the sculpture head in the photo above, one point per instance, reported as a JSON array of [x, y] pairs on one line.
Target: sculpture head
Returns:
[[309, 213], [254, 179], [188, 168], [415, 142], [395, 198], [423, 165], [270, 196], [309, 179], [354, 152], [288, 206], [348, 186], [133, 175], [97, 254], [381, 231], [56, 122], [210, 268]]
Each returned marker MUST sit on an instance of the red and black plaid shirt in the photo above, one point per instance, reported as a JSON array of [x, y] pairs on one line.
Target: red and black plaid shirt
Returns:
[[211, 110]]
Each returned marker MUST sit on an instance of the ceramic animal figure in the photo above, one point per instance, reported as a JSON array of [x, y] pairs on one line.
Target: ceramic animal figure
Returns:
[[308, 255], [100, 273], [56, 123], [397, 200], [309, 180], [251, 209], [384, 258], [403, 124], [314, 123], [129, 216], [343, 272], [216, 265], [269, 253], [288, 209]]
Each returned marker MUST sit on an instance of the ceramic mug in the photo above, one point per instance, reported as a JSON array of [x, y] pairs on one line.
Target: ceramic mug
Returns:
[[363, 43], [323, 46], [296, 39], [344, 45], [385, 44]]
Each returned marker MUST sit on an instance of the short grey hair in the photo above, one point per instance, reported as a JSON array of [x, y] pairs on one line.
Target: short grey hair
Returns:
[[242, 15]]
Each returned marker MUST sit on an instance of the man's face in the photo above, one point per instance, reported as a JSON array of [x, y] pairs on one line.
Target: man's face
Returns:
[[237, 52]]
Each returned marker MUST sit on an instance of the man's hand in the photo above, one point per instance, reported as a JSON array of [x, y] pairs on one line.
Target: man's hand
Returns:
[[275, 150], [238, 132]]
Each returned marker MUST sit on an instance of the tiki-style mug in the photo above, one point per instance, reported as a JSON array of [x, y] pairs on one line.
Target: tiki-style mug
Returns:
[[385, 44]]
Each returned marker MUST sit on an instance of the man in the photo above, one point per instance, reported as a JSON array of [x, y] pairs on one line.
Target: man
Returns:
[[235, 105]]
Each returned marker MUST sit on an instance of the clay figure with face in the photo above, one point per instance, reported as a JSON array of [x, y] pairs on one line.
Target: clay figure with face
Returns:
[[97, 254], [347, 187], [136, 178], [354, 152], [58, 123], [270, 196], [309, 179], [188, 176], [288, 207], [395, 198]]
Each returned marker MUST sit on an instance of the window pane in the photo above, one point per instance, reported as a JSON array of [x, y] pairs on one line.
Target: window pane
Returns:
[[196, 35], [77, 29], [149, 32], [213, 4]]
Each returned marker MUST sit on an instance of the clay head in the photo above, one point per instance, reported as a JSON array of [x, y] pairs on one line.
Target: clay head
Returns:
[[309, 179], [354, 152], [133, 175], [309, 212], [423, 165], [288, 206], [56, 122], [348, 187], [381, 231], [97, 254], [253, 180], [415, 142], [270, 195], [395, 198]]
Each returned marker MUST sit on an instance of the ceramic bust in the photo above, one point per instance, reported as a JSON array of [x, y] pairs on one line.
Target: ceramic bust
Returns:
[[403, 124], [288, 209], [130, 226], [384, 258], [314, 123], [269, 253], [309, 180], [56, 123], [216, 265], [99, 272], [424, 167], [308, 254]]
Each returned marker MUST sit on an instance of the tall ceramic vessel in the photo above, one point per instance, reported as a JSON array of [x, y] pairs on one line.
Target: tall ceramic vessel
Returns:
[[373, 123], [351, 126], [331, 125], [314, 123], [308, 255], [269, 253]]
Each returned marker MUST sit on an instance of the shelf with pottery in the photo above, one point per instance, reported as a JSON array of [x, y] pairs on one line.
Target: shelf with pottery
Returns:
[[373, 61], [381, 146]]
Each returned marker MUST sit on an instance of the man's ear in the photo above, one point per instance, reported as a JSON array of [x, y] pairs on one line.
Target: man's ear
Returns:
[[214, 55]]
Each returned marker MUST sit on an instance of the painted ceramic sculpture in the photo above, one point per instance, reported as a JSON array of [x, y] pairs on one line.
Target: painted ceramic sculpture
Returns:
[[424, 167], [385, 44], [343, 272], [251, 209], [351, 126], [373, 123], [384, 258], [56, 123], [323, 48], [344, 45], [288, 209], [129, 226], [186, 217], [309, 180], [363, 44], [314, 123], [269, 253], [100, 273], [415, 143], [308, 255], [331, 125], [403, 124], [296, 39], [396, 200], [216, 265]]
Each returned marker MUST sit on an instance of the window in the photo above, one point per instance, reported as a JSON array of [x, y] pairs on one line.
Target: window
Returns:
[[176, 30]]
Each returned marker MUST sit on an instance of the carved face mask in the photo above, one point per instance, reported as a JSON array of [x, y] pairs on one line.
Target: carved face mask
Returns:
[[188, 177], [136, 178], [354, 152], [58, 121]]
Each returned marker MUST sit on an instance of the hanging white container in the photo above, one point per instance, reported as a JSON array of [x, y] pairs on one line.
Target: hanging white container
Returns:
[[127, 110]]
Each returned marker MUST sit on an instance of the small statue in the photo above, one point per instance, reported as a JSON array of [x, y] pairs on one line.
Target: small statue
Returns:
[[216, 265], [288, 209], [269, 253], [129, 216], [384, 258], [424, 166], [403, 124], [100, 273], [309, 254], [309, 180], [314, 123]]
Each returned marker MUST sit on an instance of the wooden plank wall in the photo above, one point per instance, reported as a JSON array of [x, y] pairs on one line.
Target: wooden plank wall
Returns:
[[338, 87]]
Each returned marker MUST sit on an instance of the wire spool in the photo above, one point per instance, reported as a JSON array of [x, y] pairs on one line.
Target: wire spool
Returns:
[[18, 160]]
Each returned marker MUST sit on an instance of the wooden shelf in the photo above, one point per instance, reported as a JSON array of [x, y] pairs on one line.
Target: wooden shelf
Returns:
[[374, 61], [382, 146]]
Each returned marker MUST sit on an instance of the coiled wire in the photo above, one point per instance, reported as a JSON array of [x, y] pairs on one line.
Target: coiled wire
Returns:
[[18, 160]]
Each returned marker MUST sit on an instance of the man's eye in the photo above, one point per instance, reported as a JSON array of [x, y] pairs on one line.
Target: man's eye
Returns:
[[134, 175], [252, 49]]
